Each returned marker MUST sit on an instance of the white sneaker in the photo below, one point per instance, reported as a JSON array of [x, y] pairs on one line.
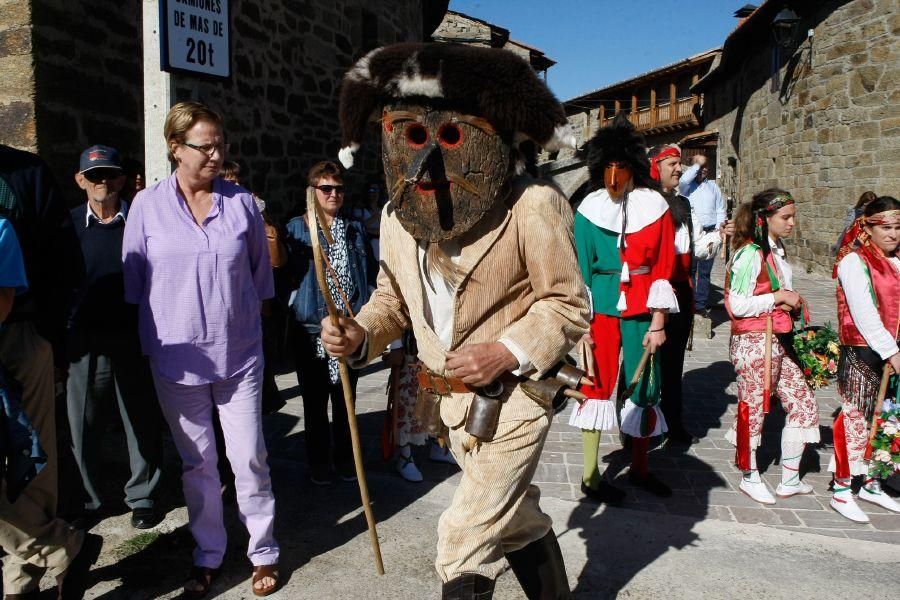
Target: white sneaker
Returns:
[[439, 454], [877, 496], [408, 469], [756, 488], [848, 507], [786, 491]]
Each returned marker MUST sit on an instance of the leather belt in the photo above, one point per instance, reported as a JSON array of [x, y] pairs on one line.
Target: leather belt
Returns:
[[444, 386]]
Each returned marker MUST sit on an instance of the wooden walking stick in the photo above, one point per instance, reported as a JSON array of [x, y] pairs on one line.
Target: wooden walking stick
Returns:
[[767, 365], [879, 402], [313, 216]]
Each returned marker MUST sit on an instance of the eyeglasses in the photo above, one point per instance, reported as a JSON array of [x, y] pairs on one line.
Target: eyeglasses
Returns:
[[209, 149], [98, 175], [327, 189]]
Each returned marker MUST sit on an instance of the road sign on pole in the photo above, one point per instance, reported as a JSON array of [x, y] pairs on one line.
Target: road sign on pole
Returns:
[[196, 36]]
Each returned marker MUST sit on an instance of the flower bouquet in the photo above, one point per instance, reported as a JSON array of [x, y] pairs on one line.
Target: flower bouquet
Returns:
[[886, 443], [818, 351]]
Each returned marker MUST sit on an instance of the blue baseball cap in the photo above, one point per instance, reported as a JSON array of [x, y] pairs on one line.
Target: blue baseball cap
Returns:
[[98, 156]]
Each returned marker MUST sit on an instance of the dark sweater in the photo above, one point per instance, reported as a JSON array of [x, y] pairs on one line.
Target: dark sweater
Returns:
[[49, 246], [100, 303]]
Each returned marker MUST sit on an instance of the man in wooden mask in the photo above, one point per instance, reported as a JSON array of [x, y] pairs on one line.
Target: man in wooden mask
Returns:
[[480, 263]]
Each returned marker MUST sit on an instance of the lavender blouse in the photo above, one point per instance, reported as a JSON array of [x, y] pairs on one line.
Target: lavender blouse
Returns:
[[199, 289]]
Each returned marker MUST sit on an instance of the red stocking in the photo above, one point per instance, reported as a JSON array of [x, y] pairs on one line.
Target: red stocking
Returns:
[[639, 447]]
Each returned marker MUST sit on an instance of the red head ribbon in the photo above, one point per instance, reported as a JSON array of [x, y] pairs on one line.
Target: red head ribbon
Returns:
[[665, 153]]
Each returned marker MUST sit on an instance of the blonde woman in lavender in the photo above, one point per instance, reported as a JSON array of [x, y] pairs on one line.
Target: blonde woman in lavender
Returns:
[[196, 261]]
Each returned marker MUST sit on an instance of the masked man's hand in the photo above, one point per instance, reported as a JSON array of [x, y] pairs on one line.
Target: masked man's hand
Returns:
[[344, 338], [480, 364]]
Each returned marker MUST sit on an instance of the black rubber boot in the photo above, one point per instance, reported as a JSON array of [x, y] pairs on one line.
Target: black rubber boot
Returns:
[[468, 587], [540, 569]]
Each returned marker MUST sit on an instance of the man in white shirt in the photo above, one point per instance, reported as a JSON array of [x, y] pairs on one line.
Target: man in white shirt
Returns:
[[709, 207]]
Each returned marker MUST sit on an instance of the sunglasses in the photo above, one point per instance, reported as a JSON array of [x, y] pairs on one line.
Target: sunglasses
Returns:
[[98, 175], [327, 189]]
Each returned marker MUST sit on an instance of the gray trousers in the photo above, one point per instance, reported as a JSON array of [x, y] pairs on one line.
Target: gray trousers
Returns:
[[111, 372]]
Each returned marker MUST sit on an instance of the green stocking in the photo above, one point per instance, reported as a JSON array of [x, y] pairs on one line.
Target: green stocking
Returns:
[[590, 440]]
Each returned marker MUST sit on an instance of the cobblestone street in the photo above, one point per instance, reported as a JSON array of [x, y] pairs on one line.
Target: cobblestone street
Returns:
[[703, 478]]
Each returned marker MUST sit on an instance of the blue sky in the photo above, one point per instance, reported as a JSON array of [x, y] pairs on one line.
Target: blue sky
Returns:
[[598, 42]]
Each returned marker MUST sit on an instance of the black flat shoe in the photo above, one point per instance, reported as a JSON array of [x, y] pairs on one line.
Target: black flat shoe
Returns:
[[681, 437], [650, 483], [144, 518], [604, 494], [75, 581]]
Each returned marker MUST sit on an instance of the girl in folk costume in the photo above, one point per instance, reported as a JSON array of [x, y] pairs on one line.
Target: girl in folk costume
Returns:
[[690, 242], [625, 242], [760, 299], [868, 300]]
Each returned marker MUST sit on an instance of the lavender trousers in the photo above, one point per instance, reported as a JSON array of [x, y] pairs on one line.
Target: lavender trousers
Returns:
[[188, 409]]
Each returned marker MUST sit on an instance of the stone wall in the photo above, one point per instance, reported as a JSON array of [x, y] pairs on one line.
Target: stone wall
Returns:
[[17, 126], [71, 76], [829, 132], [462, 29], [87, 72]]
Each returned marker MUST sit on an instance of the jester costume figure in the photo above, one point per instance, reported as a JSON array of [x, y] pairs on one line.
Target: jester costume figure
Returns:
[[868, 301], [756, 273], [480, 263], [626, 251]]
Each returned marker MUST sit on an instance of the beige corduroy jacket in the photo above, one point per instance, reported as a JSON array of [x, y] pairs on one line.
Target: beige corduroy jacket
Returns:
[[521, 282]]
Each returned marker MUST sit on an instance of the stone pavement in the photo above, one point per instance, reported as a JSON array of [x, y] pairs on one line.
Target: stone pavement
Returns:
[[703, 478], [671, 544]]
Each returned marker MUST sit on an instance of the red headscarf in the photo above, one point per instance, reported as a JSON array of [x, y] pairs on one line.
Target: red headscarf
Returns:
[[664, 153]]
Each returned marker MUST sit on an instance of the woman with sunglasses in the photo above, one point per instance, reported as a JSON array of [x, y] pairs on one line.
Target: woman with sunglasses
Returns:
[[868, 302], [351, 276], [761, 301], [196, 261]]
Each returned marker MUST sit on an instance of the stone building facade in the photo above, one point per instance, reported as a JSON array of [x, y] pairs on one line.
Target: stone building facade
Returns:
[[827, 128], [460, 28], [659, 103], [71, 76]]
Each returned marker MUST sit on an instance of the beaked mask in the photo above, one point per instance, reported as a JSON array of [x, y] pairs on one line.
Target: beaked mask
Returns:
[[444, 170], [616, 176]]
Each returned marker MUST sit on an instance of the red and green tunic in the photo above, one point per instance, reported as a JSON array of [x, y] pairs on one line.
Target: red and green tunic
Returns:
[[626, 279]]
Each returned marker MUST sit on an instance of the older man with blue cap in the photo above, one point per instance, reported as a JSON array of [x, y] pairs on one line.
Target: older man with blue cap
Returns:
[[107, 368]]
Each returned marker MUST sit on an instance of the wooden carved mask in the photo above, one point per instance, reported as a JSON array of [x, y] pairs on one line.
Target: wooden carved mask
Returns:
[[444, 170]]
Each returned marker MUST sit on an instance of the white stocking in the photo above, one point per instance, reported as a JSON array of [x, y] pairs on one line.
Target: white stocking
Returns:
[[752, 474], [791, 453]]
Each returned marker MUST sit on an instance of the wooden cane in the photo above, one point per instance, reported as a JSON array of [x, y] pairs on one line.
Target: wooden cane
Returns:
[[879, 402], [313, 216], [767, 365], [628, 391]]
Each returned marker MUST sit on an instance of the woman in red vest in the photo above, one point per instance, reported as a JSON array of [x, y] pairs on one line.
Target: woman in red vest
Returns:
[[868, 300], [759, 296]]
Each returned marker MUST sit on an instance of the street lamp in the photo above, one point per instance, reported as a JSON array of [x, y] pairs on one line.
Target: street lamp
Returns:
[[784, 27]]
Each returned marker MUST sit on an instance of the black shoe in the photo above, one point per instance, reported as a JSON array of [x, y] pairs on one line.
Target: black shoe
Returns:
[[540, 569], [347, 471], [144, 518], [74, 583], [468, 587], [604, 494], [84, 520], [320, 474], [650, 483], [680, 436]]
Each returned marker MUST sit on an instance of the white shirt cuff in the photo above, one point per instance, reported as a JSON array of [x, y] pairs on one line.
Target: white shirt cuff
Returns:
[[525, 364], [357, 360]]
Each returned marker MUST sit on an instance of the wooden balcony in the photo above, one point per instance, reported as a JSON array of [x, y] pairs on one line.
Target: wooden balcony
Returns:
[[658, 118]]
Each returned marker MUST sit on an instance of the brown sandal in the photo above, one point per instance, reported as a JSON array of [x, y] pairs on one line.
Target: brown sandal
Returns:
[[260, 572], [205, 576]]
